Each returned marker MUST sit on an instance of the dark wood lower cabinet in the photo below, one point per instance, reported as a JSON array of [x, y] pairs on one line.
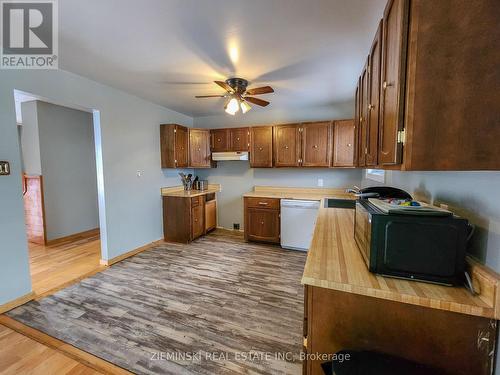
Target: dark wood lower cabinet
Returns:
[[187, 218], [455, 343], [262, 220]]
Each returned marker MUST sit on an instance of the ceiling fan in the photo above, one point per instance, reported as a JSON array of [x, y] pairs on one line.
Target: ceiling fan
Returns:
[[239, 95]]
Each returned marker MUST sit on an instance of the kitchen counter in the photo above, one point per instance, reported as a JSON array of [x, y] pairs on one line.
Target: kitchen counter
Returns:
[[335, 262], [178, 191]]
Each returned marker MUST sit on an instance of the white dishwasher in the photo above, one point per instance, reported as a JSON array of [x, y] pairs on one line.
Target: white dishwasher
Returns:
[[298, 218]]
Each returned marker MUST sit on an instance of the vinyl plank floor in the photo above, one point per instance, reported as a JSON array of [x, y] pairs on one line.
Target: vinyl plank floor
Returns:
[[216, 306]]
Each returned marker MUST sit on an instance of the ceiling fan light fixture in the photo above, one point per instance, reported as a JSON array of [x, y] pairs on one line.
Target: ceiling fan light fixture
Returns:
[[245, 107], [232, 106]]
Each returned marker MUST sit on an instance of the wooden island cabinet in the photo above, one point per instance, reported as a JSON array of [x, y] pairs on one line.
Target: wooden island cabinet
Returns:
[[188, 215]]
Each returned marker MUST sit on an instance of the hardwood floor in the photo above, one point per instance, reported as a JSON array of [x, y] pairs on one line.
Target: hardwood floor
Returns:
[[22, 355], [216, 295], [56, 266]]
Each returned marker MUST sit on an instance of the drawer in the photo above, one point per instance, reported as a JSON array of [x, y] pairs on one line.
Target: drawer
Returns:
[[270, 203], [196, 201]]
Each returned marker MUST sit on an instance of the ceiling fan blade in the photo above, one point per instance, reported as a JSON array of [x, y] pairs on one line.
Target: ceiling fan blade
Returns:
[[210, 96], [260, 102], [260, 90], [224, 85]]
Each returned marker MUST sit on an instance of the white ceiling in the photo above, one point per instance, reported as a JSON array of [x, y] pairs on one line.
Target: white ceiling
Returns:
[[167, 51]]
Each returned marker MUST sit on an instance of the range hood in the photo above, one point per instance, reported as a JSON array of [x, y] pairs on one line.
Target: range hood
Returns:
[[238, 155]]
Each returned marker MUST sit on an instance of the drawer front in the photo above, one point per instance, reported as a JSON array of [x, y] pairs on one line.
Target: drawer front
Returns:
[[270, 203], [196, 201]]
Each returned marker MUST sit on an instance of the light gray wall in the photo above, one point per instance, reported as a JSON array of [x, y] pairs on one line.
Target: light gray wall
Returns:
[[129, 141], [67, 154], [469, 194], [30, 140], [268, 115], [238, 178]]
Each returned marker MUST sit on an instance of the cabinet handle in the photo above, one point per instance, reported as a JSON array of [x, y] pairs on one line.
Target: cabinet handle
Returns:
[[386, 85], [370, 107], [263, 203]]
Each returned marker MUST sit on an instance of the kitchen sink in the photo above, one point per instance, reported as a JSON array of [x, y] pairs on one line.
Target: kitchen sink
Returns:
[[339, 203]]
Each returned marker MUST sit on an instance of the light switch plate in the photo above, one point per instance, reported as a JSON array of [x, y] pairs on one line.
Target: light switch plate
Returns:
[[320, 182], [4, 168]]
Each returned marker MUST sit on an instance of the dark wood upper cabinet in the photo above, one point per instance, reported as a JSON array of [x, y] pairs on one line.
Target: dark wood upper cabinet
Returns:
[[452, 119], [356, 122], [316, 140], [219, 140], [363, 114], [344, 135], [174, 146], [261, 147], [394, 45], [287, 145], [374, 62], [239, 139], [199, 148]]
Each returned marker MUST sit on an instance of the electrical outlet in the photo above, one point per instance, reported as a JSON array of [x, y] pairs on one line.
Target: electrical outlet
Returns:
[[138, 173], [320, 182], [4, 168], [236, 226]]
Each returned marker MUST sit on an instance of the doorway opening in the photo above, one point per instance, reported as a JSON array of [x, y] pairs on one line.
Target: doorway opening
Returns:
[[59, 156]]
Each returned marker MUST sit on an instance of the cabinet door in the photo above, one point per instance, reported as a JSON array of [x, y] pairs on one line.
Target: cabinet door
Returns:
[[363, 112], [199, 148], [394, 31], [173, 146], [210, 215], [261, 147], [316, 144], [375, 60], [356, 122], [286, 145], [181, 147], [343, 138], [239, 139], [220, 140], [263, 225], [198, 223]]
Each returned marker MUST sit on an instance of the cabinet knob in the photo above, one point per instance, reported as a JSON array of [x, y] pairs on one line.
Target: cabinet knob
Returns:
[[199, 149], [349, 145], [315, 146], [196, 220], [286, 147], [238, 138], [386, 84], [262, 223], [260, 149]]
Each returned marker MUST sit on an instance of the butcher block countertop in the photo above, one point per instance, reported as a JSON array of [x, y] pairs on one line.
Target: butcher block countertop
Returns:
[[178, 191], [335, 262]]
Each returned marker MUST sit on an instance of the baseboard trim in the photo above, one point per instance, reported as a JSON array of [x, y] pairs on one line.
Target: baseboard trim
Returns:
[[73, 237], [17, 302], [64, 348], [119, 258], [231, 229]]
